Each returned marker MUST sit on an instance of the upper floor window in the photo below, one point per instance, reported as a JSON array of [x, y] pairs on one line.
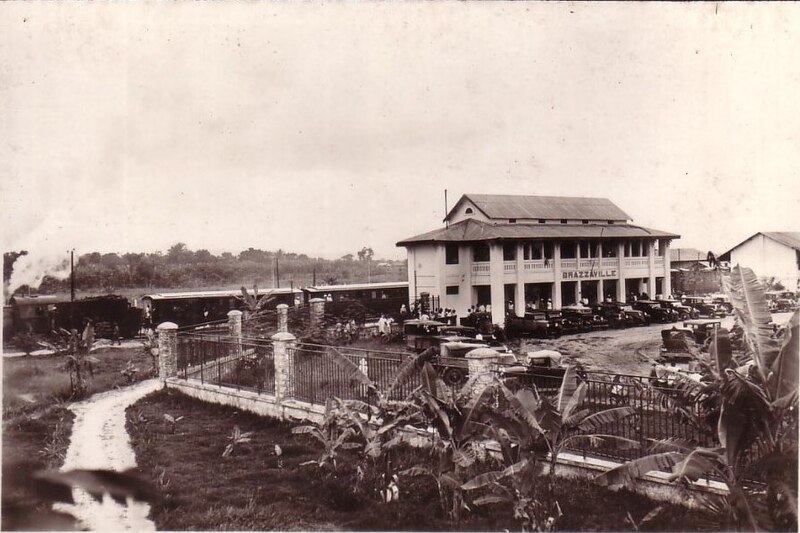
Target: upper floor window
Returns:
[[610, 249], [568, 250], [451, 254], [584, 221], [610, 221], [512, 220], [468, 211], [480, 252], [563, 220], [509, 252], [541, 221]]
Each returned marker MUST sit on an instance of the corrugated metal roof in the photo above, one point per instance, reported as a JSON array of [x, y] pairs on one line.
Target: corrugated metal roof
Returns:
[[359, 286], [46, 299], [789, 238], [507, 206], [687, 254], [472, 230]]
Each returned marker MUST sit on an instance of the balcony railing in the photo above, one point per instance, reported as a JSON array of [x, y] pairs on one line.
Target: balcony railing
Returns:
[[509, 266], [637, 262], [481, 268], [538, 264]]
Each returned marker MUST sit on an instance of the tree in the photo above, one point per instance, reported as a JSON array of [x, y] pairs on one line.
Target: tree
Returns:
[[365, 254]]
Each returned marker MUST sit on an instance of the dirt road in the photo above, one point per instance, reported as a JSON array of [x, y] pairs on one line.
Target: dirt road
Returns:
[[625, 351], [99, 441]]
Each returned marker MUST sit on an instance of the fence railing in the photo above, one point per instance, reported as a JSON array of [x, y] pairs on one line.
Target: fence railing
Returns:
[[221, 360]]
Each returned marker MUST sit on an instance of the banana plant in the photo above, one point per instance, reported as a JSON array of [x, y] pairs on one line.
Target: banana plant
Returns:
[[532, 431], [253, 303], [756, 423]]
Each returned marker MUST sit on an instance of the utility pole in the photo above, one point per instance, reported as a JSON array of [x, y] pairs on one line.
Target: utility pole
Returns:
[[314, 282], [277, 273], [72, 288]]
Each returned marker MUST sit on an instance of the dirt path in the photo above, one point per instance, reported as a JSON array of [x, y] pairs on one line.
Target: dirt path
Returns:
[[99, 441]]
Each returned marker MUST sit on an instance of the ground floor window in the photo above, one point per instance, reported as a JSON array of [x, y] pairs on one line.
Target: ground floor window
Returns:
[[451, 290]]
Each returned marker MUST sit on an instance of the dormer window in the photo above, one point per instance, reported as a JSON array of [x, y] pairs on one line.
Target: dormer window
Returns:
[[512, 220], [468, 211], [584, 221], [541, 221], [563, 220], [610, 221]]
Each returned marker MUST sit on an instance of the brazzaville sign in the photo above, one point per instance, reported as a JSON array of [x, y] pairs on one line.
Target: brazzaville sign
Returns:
[[588, 274]]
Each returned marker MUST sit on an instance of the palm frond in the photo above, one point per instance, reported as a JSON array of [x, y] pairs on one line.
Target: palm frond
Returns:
[[608, 416], [569, 384], [410, 367], [693, 466], [351, 369], [596, 440], [524, 404], [628, 472], [750, 305], [784, 376], [574, 401]]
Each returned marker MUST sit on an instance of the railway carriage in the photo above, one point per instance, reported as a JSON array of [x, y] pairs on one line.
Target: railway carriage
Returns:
[[371, 299], [199, 307]]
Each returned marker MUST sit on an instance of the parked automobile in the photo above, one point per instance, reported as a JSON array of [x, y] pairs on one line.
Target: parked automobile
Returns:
[[581, 319], [702, 328], [674, 340], [685, 312], [482, 322], [722, 301], [543, 369], [624, 312], [542, 324], [655, 312], [452, 365], [704, 306], [421, 334]]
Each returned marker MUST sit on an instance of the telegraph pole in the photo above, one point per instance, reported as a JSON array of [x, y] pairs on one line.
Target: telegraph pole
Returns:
[[72, 288]]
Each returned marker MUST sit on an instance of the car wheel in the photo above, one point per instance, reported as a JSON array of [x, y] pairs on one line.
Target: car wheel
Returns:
[[453, 377]]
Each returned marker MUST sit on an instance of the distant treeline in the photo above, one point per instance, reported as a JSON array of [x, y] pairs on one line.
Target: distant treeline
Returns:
[[180, 267]]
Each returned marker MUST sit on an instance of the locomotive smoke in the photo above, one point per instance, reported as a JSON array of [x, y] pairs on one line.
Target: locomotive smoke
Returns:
[[31, 269]]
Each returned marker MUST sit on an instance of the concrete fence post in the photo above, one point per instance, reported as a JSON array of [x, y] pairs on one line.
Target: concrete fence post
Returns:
[[283, 345], [235, 331], [167, 350], [481, 363], [317, 312], [283, 318]]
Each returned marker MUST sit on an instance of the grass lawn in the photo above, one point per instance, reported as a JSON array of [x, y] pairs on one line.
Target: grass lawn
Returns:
[[37, 425], [254, 489]]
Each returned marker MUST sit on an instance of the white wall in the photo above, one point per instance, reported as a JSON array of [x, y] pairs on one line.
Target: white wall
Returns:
[[768, 259], [422, 259]]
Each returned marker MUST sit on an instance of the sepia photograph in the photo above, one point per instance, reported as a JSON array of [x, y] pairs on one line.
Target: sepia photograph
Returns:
[[400, 266]]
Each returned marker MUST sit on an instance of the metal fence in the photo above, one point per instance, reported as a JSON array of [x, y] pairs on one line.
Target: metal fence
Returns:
[[221, 360]]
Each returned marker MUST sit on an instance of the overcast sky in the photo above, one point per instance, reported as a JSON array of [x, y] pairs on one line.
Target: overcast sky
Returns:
[[322, 128]]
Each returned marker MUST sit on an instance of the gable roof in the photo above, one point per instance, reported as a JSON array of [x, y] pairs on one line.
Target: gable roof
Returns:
[[787, 238], [687, 254], [471, 230], [505, 206]]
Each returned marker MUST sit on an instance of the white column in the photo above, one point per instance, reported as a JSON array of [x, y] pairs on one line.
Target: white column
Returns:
[[651, 263], [519, 293], [496, 276], [600, 297], [621, 279], [578, 291], [465, 283], [441, 272], [557, 275]]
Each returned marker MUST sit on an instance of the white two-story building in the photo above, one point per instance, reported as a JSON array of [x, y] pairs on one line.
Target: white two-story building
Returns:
[[542, 251]]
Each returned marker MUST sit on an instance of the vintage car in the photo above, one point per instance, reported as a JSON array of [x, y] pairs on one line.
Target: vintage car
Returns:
[[702, 328], [620, 315], [542, 324], [542, 368], [674, 340], [722, 301], [685, 312], [421, 334], [704, 306], [481, 322], [453, 367], [581, 319], [655, 312]]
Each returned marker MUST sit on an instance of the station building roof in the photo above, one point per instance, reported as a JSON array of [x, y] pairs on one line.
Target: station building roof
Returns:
[[220, 294], [471, 230], [505, 206]]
